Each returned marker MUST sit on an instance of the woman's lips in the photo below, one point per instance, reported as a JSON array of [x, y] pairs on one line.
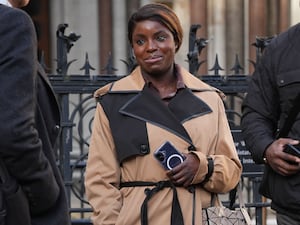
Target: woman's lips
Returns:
[[153, 59]]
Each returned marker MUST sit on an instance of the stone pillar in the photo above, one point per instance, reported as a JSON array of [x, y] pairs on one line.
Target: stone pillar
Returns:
[[75, 14], [272, 19], [198, 10], [285, 21], [217, 33], [105, 32], [144, 2], [132, 6], [257, 25], [294, 12], [119, 30], [234, 33], [182, 9], [57, 17]]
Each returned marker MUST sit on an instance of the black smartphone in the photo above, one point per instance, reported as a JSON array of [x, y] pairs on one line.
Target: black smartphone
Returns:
[[168, 156], [292, 149]]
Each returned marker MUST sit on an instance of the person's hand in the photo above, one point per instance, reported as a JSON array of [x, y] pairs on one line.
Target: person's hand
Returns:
[[183, 174], [281, 162]]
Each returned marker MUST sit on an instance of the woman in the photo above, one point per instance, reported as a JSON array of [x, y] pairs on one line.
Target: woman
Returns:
[[158, 102]]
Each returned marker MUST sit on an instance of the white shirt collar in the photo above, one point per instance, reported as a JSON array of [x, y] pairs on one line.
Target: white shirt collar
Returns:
[[5, 2]]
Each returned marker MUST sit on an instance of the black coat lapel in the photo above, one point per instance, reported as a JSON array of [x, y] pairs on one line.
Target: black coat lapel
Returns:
[[185, 105], [148, 107]]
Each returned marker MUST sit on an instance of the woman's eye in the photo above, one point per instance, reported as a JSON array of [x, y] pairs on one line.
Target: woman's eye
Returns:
[[161, 38], [140, 42]]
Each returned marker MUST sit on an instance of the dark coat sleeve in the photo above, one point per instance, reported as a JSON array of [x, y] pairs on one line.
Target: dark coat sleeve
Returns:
[[261, 108], [20, 145]]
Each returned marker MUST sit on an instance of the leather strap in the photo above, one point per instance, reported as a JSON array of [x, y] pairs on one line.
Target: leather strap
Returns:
[[210, 167]]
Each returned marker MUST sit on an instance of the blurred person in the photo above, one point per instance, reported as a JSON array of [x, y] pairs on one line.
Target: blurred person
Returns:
[[272, 91], [158, 102], [29, 128]]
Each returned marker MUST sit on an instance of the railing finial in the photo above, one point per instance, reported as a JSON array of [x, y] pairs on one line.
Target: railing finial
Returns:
[[64, 44]]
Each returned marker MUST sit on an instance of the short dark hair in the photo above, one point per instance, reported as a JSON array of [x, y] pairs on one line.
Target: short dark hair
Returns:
[[160, 13]]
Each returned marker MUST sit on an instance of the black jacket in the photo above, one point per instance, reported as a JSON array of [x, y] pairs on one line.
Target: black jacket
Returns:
[[274, 85], [29, 121]]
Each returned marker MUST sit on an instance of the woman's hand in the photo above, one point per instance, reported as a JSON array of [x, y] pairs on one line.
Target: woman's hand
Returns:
[[183, 174]]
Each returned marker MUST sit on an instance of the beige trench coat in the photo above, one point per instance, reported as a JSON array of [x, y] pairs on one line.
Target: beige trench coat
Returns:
[[211, 136]]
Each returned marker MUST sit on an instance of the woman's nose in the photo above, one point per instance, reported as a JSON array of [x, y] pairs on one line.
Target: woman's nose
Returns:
[[151, 46]]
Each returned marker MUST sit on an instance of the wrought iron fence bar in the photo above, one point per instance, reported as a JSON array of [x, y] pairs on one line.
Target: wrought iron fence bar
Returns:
[[229, 84], [83, 84], [79, 83]]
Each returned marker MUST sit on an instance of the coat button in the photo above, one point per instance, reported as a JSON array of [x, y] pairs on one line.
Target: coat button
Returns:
[[144, 149], [191, 148], [56, 128]]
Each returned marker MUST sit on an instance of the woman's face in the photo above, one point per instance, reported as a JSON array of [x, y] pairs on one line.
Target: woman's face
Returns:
[[154, 47]]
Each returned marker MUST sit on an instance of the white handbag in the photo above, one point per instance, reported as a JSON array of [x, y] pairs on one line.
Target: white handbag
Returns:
[[221, 215]]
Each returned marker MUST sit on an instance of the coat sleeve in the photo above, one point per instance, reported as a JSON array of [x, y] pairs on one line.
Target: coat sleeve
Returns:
[[227, 167], [20, 145], [102, 176], [260, 109]]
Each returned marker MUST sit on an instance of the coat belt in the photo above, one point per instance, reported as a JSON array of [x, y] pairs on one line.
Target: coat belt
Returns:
[[176, 213]]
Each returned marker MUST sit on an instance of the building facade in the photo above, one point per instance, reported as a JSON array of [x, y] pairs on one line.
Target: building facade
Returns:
[[230, 26]]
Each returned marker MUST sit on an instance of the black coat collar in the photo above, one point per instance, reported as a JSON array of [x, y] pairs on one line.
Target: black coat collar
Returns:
[[184, 106]]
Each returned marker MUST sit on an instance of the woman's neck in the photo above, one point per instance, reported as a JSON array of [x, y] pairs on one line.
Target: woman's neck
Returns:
[[165, 84]]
